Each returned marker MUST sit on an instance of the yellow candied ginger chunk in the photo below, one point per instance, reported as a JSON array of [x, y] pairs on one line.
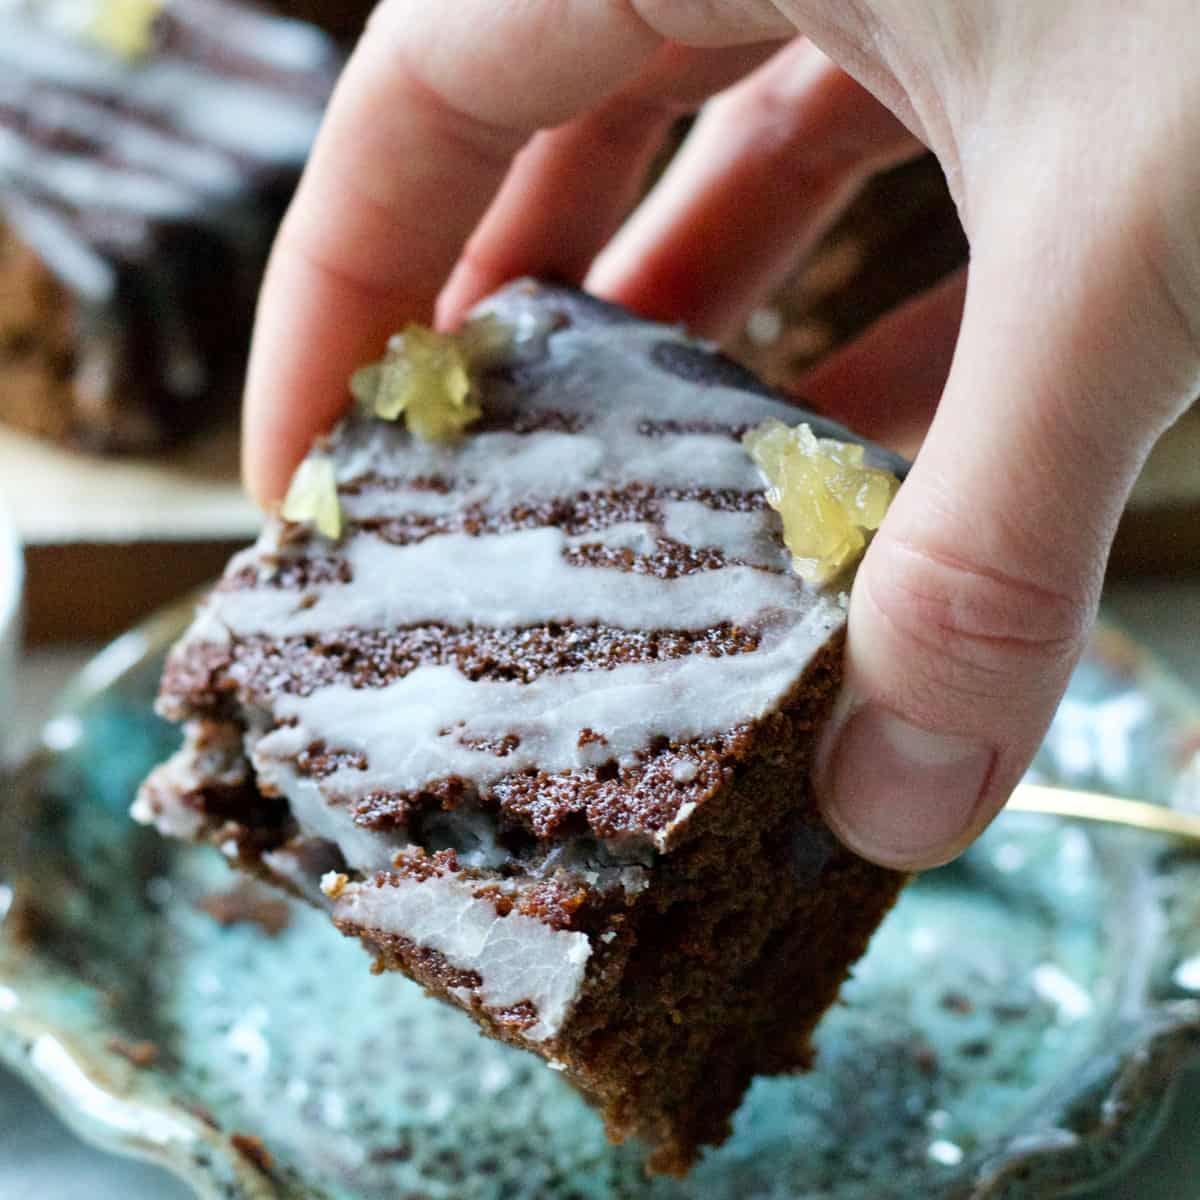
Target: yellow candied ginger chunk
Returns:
[[825, 494], [429, 378], [312, 497], [125, 27]]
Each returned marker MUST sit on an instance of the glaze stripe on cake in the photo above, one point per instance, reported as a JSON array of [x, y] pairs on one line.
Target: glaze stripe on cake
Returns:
[[489, 559]]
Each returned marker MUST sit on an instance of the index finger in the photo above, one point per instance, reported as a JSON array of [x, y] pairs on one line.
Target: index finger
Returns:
[[429, 112]]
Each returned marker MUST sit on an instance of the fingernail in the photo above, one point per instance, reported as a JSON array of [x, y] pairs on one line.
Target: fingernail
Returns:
[[898, 794]]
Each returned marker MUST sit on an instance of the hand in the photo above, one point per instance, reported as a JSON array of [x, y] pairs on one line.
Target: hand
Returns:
[[1070, 134]]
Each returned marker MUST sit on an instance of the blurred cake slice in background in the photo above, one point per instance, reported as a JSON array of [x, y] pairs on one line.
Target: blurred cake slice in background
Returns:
[[147, 151]]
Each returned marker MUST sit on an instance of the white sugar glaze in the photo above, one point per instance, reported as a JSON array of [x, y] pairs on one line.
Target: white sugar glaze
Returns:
[[168, 135], [517, 958], [415, 730], [518, 578]]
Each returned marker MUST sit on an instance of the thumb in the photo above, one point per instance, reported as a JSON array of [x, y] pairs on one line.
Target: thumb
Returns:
[[975, 598]]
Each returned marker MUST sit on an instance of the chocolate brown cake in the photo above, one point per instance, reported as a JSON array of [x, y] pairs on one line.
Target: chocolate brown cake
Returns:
[[344, 19], [533, 717], [146, 155]]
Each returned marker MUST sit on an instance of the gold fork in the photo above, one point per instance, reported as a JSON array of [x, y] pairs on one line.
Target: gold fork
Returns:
[[1106, 810]]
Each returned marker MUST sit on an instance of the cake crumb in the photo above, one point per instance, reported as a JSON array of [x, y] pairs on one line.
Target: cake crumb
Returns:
[[333, 884], [247, 904], [252, 1147], [141, 1054]]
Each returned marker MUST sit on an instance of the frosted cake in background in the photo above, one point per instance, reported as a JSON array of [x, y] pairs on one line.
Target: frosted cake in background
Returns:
[[147, 151]]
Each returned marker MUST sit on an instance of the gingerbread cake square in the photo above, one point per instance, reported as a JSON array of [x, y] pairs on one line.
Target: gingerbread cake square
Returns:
[[531, 709], [146, 154]]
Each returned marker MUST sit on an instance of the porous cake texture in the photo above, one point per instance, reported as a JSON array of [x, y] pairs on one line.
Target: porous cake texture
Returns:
[[146, 155], [537, 726]]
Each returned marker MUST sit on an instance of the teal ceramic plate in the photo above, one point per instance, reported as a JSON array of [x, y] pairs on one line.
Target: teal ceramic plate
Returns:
[[1013, 1031]]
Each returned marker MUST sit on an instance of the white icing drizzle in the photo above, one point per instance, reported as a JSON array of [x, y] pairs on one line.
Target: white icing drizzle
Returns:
[[499, 469], [413, 731], [200, 167], [279, 42], [416, 729], [84, 183], [86, 272], [237, 115], [518, 578], [363, 849], [749, 537], [169, 137], [517, 958]]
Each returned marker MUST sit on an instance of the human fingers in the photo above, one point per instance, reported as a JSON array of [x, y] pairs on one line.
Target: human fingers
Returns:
[[434, 104], [974, 600], [411, 152], [570, 187], [769, 165]]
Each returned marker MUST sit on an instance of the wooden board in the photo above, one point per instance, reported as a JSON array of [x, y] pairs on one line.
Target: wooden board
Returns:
[[1160, 531], [107, 541]]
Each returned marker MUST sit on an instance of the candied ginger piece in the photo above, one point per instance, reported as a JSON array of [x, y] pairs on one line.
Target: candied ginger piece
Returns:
[[828, 498], [428, 377], [312, 497], [125, 27]]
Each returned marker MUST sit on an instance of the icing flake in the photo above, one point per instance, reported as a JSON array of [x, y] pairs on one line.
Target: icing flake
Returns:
[[517, 958]]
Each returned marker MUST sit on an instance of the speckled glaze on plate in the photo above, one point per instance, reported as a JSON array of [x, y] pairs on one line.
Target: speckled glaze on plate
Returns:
[[1013, 1032]]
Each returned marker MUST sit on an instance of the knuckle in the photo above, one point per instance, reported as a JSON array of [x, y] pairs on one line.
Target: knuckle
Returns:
[[472, 139], [392, 54], [973, 626], [706, 21], [1139, 241], [331, 261]]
